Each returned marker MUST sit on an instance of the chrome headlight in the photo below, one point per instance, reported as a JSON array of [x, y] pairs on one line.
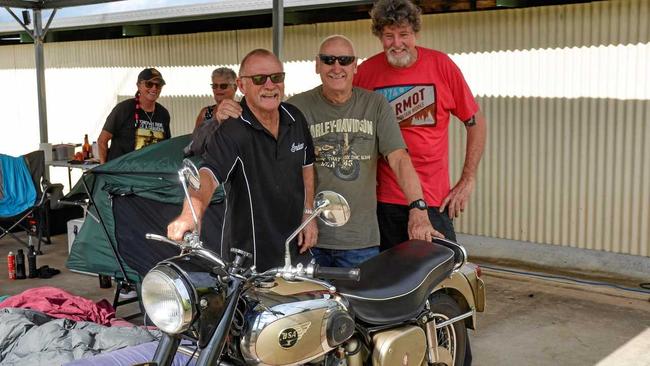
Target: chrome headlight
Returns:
[[167, 299]]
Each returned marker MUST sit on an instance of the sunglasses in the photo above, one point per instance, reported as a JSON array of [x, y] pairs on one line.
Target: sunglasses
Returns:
[[276, 78], [330, 60], [223, 86], [149, 84]]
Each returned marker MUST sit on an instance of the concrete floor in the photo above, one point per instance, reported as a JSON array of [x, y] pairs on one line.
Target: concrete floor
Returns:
[[528, 321], [55, 255], [531, 321]]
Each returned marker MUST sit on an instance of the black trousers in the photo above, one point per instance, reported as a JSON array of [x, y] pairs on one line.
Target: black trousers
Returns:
[[393, 228], [393, 223]]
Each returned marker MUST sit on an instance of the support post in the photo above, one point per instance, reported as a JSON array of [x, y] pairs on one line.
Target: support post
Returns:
[[40, 74], [278, 27]]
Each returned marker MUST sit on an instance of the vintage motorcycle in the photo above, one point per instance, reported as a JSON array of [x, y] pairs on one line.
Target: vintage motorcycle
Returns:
[[410, 305]]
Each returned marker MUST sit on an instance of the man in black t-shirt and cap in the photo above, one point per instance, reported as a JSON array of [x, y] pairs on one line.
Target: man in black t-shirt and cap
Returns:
[[264, 159], [136, 122]]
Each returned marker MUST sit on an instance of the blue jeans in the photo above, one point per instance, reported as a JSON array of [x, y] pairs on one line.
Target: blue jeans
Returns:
[[345, 258]]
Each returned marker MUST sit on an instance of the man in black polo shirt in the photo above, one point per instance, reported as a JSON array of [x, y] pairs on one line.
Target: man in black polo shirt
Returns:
[[264, 159]]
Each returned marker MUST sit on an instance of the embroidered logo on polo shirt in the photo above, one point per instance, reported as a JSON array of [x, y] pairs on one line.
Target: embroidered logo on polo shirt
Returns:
[[298, 147]]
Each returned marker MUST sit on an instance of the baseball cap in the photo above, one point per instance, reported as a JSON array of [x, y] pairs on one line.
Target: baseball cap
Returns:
[[151, 74]]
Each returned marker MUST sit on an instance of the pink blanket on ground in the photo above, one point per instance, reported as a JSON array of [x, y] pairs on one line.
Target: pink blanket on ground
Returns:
[[58, 303]]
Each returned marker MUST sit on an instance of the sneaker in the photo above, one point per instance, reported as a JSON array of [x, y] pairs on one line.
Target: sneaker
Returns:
[[128, 295]]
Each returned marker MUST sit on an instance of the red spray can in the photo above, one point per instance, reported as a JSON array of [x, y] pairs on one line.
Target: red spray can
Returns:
[[11, 265]]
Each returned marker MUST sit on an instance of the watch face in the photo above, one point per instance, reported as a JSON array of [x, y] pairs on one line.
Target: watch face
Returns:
[[419, 204]]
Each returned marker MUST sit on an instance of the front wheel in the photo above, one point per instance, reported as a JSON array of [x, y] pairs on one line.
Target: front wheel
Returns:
[[452, 339]]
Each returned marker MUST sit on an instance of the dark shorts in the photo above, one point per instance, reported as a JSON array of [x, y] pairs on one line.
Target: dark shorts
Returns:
[[393, 223]]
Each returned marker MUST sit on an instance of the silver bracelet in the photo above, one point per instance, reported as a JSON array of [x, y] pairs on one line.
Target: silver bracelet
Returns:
[[308, 211]]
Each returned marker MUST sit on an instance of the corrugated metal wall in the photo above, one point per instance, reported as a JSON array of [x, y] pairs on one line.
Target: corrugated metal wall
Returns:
[[566, 171], [563, 171]]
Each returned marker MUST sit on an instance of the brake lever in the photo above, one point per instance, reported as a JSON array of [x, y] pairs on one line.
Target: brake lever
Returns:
[[163, 239], [330, 288]]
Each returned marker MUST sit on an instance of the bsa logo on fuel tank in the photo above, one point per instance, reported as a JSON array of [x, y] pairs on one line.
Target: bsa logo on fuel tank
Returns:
[[290, 336]]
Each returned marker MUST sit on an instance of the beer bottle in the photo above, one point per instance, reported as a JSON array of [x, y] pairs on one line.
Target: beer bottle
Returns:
[[86, 148]]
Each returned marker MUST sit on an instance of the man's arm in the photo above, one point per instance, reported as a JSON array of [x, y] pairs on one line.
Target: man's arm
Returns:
[[309, 235], [102, 144], [200, 200], [199, 118], [459, 195], [228, 108], [419, 226]]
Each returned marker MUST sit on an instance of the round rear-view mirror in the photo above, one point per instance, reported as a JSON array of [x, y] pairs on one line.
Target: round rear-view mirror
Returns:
[[335, 208], [191, 174]]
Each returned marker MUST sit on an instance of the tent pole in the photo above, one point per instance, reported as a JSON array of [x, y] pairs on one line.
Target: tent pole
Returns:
[[101, 221]]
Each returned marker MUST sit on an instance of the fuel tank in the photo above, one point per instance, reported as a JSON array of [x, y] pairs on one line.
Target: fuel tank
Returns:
[[292, 323]]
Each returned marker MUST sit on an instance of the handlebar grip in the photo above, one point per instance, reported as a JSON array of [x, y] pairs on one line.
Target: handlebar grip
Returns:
[[336, 273]]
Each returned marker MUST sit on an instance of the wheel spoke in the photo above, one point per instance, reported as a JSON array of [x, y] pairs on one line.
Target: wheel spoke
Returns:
[[445, 357], [446, 342]]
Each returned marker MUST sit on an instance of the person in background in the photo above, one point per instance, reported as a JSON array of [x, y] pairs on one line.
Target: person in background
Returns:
[[424, 87], [223, 87], [136, 122]]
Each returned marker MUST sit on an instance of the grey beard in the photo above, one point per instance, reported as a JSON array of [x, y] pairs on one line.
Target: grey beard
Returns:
[[399, 62]]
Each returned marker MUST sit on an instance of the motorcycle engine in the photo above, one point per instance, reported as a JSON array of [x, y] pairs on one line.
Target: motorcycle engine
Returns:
[[293, 322]]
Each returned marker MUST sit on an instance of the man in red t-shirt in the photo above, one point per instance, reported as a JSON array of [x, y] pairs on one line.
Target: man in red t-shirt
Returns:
[[423, 86]]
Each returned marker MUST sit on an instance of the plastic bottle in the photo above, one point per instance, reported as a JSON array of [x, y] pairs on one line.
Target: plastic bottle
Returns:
[[31, 262], [11, 265], [95, 150], [86, 148], [20, 265]]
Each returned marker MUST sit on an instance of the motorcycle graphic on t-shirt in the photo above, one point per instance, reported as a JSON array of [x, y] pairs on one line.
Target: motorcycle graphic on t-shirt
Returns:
[[338, 152], [148, 133]]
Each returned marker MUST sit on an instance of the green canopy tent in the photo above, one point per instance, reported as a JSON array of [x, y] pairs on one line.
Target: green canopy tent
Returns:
[[127, 197]]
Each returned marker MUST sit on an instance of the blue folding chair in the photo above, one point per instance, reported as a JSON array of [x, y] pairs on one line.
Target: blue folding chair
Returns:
[[24, 198]]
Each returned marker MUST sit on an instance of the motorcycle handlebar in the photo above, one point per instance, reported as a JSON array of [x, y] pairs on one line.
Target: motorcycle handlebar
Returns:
[[336, 273]]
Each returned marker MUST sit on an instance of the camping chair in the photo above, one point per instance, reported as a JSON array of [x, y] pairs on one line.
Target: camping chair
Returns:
[[34, 219]]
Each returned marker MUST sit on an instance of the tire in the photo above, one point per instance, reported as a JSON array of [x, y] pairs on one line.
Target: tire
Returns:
[[452, 339]]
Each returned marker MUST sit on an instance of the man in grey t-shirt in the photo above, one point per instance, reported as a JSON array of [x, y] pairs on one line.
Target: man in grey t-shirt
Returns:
[[352, 128]]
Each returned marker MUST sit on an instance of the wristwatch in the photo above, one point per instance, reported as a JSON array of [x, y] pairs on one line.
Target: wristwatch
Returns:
[[419, 204]]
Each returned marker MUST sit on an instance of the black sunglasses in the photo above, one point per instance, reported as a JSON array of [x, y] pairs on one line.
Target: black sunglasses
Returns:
[[276, 78], [149, 84], [343, 60], [223, 86]]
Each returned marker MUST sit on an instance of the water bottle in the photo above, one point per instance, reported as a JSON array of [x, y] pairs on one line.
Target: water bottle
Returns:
[[31, 262], [20, 265]]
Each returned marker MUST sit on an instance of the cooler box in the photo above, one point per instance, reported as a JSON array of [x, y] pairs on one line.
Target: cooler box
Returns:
[[74, 226]]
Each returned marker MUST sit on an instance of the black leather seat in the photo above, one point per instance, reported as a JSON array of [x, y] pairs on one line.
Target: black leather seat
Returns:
[[395, 285]]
